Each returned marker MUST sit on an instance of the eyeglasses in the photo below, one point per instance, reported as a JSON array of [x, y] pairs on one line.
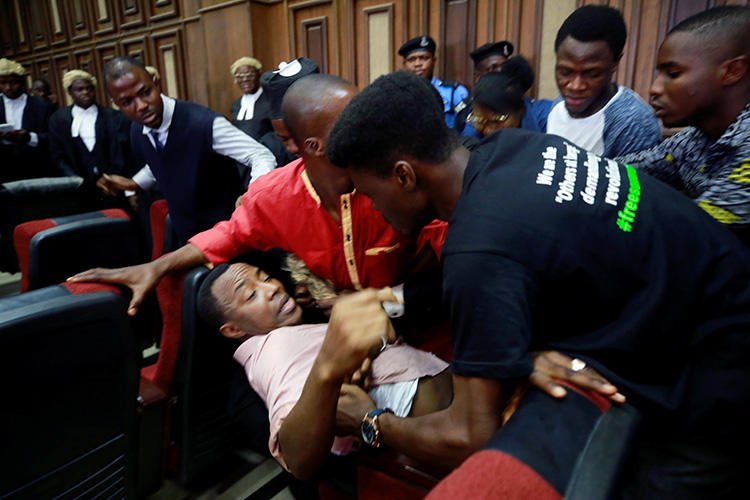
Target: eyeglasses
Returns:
[[480, 121], [245, 76]]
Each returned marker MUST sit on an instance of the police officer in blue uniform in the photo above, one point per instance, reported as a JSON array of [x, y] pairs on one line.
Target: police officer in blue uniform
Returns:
[[419, 58]]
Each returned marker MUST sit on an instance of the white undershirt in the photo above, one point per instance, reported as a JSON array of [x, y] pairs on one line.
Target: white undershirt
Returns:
[[228, 140], [14, 116], [247, 105], [84, 124], [587, 132]]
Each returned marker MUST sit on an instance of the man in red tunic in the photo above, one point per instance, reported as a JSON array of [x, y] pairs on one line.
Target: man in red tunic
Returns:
[[308, 207]]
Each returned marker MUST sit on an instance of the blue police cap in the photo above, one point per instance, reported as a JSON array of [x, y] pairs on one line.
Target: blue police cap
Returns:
[[504, 48], [423, 42]]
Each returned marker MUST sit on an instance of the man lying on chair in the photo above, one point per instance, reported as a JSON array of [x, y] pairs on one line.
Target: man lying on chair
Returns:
[[287, 363]]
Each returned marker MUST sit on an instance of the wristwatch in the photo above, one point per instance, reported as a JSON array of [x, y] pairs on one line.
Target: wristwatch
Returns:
[[369, 427]]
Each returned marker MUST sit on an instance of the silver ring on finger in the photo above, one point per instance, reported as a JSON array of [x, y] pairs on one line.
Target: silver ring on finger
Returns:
[[577, 365]]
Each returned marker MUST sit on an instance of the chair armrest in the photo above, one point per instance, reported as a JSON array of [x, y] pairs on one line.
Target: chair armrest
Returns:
[[149, 394], [401, 467]]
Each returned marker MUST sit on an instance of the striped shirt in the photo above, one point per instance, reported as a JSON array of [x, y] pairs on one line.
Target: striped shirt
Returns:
[[716, 174]]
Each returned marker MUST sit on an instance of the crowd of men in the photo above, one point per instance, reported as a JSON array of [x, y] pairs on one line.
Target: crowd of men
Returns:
[[561, 239]]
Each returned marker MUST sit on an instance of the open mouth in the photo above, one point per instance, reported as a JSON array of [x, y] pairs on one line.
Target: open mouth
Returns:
[[287, 306]]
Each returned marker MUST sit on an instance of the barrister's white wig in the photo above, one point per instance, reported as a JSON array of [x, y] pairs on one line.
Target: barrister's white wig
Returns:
[[77, 74], [245, 61], [9, 67]]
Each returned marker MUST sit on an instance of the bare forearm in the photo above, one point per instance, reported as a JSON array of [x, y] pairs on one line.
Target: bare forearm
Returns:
[[183, 258], [433, 438], [445, 438], [306, 436]]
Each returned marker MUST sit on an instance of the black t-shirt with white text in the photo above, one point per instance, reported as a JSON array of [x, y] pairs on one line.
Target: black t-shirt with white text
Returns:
[[552, 247]]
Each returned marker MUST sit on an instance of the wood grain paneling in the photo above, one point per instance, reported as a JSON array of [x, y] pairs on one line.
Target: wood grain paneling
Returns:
[[20, 28], [84, 59], [58, 31], [315, 41], [457, 34], [316, 14], [78, 21], [104, 17], [226, 36], [131, 13], [169, 61], [102, 54], [378, 38], [163, 9], [193, 42], [137, 47], [363, 49], [61, 65], [7, 29], [270, 34], [39, 21]]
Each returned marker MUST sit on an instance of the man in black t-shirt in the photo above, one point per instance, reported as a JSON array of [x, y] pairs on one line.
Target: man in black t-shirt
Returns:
[[551, 247]]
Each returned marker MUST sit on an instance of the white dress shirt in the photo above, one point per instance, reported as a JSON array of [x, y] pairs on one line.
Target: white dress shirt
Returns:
[[228, 140], [14, 115], [247, 105], [84, 124]]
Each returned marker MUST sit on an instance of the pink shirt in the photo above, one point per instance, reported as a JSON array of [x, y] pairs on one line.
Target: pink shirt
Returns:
[[277, 366]]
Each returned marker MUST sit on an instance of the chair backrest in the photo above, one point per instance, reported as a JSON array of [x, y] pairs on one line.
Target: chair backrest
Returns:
[[202, 428], [32, 199], [50, 250], [572, 448], [69, 380], [163, 236]]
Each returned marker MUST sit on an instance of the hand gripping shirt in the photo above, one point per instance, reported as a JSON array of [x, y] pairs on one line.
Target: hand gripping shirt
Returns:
[[281, 209], [552, 247], [277, 366]]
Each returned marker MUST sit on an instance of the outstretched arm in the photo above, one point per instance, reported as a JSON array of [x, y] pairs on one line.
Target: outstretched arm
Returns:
[[142, 278]]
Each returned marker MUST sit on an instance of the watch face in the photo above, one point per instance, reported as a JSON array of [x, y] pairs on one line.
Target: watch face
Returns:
[[368, 432]]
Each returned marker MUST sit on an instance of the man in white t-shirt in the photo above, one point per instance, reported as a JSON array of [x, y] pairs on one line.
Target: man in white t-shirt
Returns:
[[593, 111]]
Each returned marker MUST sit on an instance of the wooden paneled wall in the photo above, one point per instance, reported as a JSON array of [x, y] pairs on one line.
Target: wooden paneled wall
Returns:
[[193, 42]]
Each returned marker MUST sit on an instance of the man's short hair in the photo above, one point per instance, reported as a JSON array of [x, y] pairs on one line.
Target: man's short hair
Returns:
[[595, 22], [209, 309], [41, 83], [729, 23], [396, 114], [121, 66]]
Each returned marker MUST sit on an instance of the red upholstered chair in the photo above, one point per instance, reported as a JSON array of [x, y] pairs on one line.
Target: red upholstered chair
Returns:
[[69, 378], [192, 367], [169, 296], [573, 448], [50, 250]]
